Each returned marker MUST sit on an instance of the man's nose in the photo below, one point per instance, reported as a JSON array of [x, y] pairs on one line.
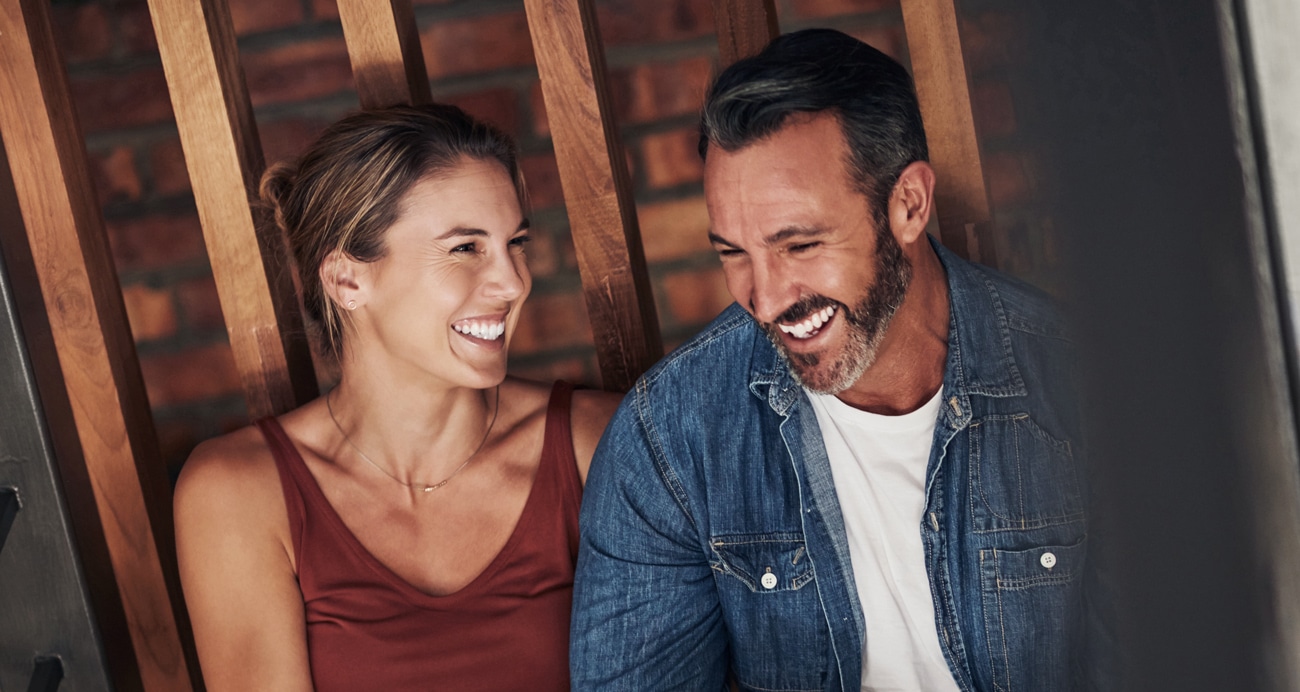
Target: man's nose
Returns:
[[773, 291]]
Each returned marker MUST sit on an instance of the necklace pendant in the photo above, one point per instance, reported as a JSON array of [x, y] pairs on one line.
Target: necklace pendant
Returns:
[[430, 488]]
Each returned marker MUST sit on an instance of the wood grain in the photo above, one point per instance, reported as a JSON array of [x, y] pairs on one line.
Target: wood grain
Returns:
[[196, 40], [743, 27], [96, 355], [961, 195], [597, 193], [384, 46]]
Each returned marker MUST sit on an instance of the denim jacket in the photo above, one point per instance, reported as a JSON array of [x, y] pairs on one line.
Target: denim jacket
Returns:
[[713, 474]]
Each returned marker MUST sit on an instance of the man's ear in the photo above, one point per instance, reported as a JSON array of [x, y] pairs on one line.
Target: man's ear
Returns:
[[342, 279], [912, 202]]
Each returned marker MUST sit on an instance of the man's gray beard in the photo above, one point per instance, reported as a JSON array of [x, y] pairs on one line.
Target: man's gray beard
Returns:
[[866, 323]]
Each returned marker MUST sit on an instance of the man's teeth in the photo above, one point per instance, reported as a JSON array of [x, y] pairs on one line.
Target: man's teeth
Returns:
[[814, 322], [488, 331]]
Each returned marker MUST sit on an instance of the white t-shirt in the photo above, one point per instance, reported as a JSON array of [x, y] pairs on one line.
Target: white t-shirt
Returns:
[[879, 463]]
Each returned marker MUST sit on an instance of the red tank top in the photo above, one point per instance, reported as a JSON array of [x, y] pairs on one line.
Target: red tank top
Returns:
[[369, 629]]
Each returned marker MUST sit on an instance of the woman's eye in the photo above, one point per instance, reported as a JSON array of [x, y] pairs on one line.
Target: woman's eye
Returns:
[[519, 242], [467, 247]]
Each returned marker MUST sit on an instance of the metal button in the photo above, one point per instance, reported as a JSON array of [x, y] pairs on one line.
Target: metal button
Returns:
[[769, 580], [1048, 560]]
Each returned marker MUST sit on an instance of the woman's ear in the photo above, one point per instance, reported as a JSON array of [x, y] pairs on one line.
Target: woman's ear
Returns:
[[341, 279], [912, 202]]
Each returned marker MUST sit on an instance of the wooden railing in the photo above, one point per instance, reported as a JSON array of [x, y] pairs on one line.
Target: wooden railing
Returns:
[[119, 453]]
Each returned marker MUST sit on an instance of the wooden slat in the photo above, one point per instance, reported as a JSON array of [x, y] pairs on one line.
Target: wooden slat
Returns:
[[197, 43], [743, 27], [72, 604], [961, 196], [597, 193], [384, 46], [88, 328]]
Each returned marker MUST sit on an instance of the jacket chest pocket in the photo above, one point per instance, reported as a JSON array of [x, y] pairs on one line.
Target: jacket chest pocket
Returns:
[[1021, 477], [1031, 602], [772, 610]]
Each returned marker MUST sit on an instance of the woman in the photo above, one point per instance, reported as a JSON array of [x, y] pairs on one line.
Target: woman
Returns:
[[416, 527]]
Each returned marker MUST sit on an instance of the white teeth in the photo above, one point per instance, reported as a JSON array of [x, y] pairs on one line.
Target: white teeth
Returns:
[[803, 329], [488, 331]]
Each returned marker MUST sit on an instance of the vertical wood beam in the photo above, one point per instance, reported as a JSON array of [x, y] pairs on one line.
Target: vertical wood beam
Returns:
[[384, 47], [95, 351], [196, 40], [597, 193], [744, 27], [961, 195]]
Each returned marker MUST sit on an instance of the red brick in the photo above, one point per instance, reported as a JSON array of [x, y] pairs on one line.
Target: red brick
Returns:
[[196, 374], [989, 40], [325, 9], [672, 158], [298, 72], [653, 91], [136, 27], [1008, 183], [577, 370], [117, 101], [806, 9], [287, 139], [694, 298], [537, 102], [252, 16], [542, 176], [890, 40], [676, 229], [150, 311], [551, 321], [83, 32], [200, 306], [993, 109], [497, 106], [637, 21], [168, 169], [116, 179], [154, 242], [468, 45], [544, 258]]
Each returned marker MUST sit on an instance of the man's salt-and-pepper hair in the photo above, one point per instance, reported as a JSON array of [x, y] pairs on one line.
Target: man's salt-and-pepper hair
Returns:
[[822, 70]]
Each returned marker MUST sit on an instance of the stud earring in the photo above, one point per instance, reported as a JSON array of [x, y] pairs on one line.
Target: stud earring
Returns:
[[352, 305]]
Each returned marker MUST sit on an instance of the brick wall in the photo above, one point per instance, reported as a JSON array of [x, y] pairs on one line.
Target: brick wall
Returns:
[[660, 53]]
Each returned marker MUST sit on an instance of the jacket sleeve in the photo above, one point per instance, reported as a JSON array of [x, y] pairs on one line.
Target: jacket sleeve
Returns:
[[646, 614]]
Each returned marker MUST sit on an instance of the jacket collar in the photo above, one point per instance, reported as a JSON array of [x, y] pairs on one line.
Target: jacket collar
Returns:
[[980, 358]]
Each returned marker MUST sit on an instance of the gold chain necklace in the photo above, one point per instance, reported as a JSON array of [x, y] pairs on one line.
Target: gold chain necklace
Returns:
[[425, 488]]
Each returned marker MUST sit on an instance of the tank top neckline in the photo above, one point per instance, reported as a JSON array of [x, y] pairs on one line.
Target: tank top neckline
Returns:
[[555, 423]]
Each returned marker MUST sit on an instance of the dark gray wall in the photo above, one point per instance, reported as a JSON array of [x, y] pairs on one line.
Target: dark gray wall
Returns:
[[1143, 112]]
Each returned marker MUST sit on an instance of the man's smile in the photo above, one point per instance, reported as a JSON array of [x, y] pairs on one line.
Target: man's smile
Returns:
[[811, 325]]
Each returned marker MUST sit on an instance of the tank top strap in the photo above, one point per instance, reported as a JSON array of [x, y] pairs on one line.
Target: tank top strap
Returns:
[[558, 458], [295, 478]]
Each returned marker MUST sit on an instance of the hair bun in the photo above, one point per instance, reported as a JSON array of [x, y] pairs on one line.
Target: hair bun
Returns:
[[276, 186]]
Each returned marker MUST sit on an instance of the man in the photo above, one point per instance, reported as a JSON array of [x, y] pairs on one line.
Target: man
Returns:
[[862, 475]]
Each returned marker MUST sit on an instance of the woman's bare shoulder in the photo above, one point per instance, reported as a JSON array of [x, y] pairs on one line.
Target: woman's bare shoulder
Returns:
[[592, 409], [231, 473]]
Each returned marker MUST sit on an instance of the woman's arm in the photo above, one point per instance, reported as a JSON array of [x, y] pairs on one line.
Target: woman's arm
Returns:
[[237, 568], [592, 410]]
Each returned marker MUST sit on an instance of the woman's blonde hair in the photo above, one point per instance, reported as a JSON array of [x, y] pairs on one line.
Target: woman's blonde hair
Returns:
[[345, 192]]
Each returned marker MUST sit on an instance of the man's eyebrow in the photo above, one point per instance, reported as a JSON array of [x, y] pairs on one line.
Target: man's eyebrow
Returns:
[[776, 238], [790, 232], [719, 240]]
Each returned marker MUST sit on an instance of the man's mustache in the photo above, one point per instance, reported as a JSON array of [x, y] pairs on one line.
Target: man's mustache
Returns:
[[806, 306]]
